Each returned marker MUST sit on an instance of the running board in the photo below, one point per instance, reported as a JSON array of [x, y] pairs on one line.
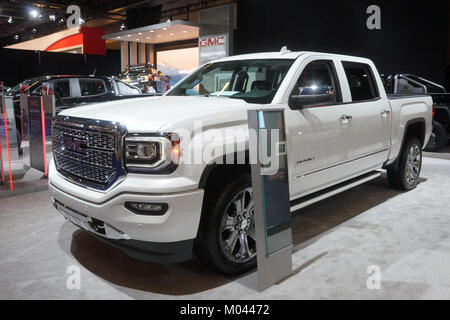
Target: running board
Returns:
[[331, 191]]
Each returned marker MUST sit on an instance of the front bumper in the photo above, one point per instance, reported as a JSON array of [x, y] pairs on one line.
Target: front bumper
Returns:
[[164, 239]]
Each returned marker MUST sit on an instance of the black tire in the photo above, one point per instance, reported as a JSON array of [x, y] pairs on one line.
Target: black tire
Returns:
[[208, 243], [398, 172], [439, 138]]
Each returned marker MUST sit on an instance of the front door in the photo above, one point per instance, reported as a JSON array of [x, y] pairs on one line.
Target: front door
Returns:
[[321, 135]]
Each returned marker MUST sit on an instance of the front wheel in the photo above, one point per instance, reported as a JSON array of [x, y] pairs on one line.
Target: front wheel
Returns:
[[226, 239], [404, 175]]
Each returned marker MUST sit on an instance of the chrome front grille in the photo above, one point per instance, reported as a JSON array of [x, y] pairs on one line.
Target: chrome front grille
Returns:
[[88, 151]]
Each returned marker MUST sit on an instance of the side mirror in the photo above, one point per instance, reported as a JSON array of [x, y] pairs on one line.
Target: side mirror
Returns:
[[298, 102]]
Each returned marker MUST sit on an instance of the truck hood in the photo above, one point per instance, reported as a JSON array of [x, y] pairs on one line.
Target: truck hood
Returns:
[[165, 113]]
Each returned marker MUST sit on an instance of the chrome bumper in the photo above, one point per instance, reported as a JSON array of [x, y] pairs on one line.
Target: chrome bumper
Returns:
[[97, 227]]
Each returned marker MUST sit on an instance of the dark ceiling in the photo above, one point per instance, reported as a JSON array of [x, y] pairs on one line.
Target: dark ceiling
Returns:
[[17, 23]]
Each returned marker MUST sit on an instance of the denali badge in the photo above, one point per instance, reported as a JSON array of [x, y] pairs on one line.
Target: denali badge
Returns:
[[75, 144]]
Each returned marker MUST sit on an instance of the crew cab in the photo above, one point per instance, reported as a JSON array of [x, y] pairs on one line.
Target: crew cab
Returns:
[[124, 170]]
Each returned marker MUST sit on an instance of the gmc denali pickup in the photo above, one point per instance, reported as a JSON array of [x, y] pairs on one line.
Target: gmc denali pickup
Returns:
[[122, 171]]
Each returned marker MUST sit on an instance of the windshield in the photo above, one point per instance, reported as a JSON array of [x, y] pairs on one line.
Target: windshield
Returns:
[[255, 81]]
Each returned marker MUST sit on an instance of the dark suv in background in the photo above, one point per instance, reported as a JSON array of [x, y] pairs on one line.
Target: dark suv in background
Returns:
[[72, 91]]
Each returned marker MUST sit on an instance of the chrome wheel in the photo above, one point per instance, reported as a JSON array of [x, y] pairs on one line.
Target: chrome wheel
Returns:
[[237, 228], [413, 164]]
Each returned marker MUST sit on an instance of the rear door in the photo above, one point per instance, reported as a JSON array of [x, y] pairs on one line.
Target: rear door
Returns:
[[371, 114]]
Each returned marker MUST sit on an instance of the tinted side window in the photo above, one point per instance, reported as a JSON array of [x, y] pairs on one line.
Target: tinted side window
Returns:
[[361, 81], [92, 87], [61, 89], [316, 79]]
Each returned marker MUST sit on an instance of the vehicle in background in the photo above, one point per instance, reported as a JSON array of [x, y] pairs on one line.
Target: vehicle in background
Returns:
[[141, 191], [72, 91], [137, 75], [411, 84]]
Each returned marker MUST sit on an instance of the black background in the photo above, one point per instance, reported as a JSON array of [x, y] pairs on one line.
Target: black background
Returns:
[[414, 36]]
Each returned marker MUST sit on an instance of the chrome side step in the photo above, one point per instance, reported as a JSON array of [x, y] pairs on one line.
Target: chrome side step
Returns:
[[331, 191]]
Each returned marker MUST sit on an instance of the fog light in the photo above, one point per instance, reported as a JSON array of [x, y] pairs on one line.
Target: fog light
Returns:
[[151, 209]]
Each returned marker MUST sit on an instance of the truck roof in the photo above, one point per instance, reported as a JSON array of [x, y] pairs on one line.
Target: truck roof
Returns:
[[289, 55]]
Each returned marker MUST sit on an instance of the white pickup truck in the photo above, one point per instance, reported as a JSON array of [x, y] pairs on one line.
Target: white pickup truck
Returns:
[[120, 169]]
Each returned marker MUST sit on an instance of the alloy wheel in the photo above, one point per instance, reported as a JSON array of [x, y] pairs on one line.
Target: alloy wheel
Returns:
[[413, 164], [237, 228]]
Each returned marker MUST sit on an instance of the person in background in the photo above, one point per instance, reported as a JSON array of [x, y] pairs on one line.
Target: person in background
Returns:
[[166, 83], [149, 87]]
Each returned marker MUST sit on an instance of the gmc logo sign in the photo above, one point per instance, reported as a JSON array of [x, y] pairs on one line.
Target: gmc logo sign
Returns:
[[211, 42], [75, 144]]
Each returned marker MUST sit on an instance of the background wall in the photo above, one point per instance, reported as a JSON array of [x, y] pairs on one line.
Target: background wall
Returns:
[[413, 39], [18, 65]]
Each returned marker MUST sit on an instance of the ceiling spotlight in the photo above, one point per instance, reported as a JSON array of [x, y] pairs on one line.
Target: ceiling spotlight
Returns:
[[164, 28], [81, 21], [159, 36], [61, 20], [171, 33], [128, 35], [148, 38], [138, 39], [184, 31], [118, 37], [52, 17], [16, 37], [122, 27], [139, 33], [33, 30], [152, 31], [10, 20], [34, 13]]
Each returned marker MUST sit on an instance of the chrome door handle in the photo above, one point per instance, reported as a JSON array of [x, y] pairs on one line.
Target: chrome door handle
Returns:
[[385, 113], [344, 119]]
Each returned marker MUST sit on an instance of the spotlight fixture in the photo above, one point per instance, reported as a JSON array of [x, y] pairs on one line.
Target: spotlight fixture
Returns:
[[122, 27], [10, 20], [16, 37], [81, 21], [33, 30], [52, 17], [34, 13], [61, 20]]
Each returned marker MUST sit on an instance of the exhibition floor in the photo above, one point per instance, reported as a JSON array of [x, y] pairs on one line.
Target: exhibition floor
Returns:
[[404, 234]]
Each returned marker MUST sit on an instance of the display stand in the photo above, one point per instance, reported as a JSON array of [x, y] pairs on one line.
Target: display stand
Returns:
[[40, 114], [271, 196], [8, 141]]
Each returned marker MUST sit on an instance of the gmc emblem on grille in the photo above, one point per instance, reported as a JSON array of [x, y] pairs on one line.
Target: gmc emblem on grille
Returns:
[[75, 144]]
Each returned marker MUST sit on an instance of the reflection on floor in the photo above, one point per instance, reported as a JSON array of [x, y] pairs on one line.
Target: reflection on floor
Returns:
[[404, 234]]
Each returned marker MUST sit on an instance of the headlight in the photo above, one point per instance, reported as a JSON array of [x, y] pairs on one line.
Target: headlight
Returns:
[[151, 153]]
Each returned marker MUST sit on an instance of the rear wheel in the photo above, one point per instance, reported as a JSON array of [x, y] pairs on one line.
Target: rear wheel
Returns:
[[438, 138], [226, 239], [405, 173]]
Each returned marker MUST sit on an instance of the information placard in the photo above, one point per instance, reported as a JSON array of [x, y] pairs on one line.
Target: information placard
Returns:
[[271, 195], [36, 127]]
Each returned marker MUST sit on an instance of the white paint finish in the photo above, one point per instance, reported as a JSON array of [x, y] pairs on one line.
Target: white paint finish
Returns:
[[339, 151]]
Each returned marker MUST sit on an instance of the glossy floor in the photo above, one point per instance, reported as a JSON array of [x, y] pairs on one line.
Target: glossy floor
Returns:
[[405, 235]]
